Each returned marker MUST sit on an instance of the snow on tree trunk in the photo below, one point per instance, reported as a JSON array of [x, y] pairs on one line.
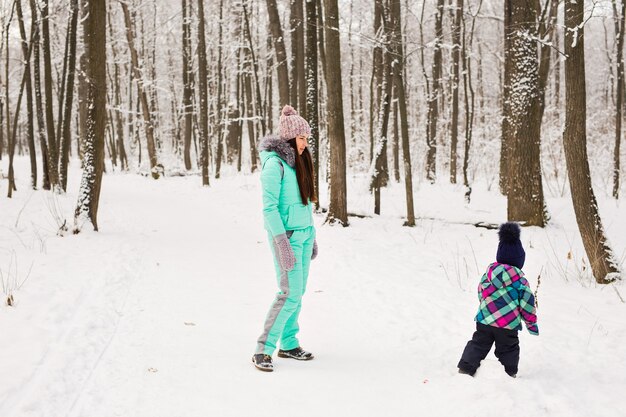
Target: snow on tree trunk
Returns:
[[94, 36], [525, 202]]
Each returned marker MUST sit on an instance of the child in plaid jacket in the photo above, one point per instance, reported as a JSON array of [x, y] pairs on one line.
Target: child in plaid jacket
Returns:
[[505, 301]]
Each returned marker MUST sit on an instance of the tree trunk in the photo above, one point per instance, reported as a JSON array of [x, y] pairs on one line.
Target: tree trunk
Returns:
[[94, 28], [547, 26], [53, 154], [41, 128], [469, 101], [505, 149], [187, 88], [1, 127], [6, 77], [268, 102], [233, 133], [311, 89], [255, 65], [600, 255], [433, 99], [218, 105], [396, 142], [377, 74], [61, 90], [400, 94], [119, 122], [456, 52], [321, 43], [619, 105], [241, 110], [525, 198], [250, 116], [82, 101], [155, 167], [203, 95], [297, 51], [69, 97], [378, 172], [10, 149], [12, 138], [557, 65], [29, 95], [281, 53], [338, 209]]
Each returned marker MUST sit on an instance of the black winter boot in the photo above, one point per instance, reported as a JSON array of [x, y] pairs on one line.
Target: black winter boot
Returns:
[[465, 372], [263, 362], [296, 353]]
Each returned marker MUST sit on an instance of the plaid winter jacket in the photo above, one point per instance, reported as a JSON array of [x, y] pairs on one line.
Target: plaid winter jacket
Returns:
[[506, 299]]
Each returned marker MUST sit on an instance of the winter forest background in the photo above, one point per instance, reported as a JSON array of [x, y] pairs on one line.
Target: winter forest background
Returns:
[[458, 91], [420, 110]]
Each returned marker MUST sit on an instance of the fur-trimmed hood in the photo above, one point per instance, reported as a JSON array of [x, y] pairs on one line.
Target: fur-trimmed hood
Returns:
[[272, 143]]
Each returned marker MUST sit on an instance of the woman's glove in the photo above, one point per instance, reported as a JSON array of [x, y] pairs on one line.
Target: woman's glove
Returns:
[[314, 254], [284, 253]]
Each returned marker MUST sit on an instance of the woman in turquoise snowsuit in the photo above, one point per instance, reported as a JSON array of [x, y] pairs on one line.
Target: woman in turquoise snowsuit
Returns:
[[288, 190]]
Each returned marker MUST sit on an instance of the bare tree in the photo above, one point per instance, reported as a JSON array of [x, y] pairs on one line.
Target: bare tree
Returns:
[[376, 80], [187, 85], [296, 88], [94, 35], [12, 137], [400, 93], [337, 210], [155, 167], [281, 53], [255, 65], [29, 95], [525, 189], [456, 55], [41, 128], [53, 150], [619, 105], [433, 98], [66, 122], [378, 171], [218, 102], [505, 150], [203, 96], [311, 87], [119, 118], [469, 96], [600, 255]]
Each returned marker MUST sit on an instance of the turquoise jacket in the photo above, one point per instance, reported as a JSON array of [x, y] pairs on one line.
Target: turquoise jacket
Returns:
[[282, 205]]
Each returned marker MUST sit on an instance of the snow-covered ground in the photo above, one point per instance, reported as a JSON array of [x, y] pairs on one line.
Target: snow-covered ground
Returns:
[[158, 313]]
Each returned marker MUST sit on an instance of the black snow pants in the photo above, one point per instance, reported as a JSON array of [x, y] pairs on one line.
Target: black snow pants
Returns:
[[507, 348]]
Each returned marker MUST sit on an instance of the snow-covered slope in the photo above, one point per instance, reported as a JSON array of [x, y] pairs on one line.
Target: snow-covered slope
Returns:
[[158, 313]]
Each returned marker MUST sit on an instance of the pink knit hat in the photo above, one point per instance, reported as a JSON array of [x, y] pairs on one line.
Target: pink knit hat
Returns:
[[291, 124]]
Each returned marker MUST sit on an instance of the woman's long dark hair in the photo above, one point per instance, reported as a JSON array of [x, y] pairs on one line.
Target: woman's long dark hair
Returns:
[[304, 174]]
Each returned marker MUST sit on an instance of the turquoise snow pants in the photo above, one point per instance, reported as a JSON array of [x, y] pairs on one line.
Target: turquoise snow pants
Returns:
[[282, 319]]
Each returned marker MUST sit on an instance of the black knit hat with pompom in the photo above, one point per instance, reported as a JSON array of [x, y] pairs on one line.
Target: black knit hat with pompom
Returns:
[[510, 250]]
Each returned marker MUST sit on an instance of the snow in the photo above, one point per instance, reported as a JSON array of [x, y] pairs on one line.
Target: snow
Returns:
[[158, 313]]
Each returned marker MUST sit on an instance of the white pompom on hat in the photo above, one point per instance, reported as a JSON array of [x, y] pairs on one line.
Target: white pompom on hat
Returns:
[[292, 124]]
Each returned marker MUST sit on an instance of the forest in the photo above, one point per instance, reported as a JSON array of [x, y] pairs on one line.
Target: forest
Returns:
[[525, 96]]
